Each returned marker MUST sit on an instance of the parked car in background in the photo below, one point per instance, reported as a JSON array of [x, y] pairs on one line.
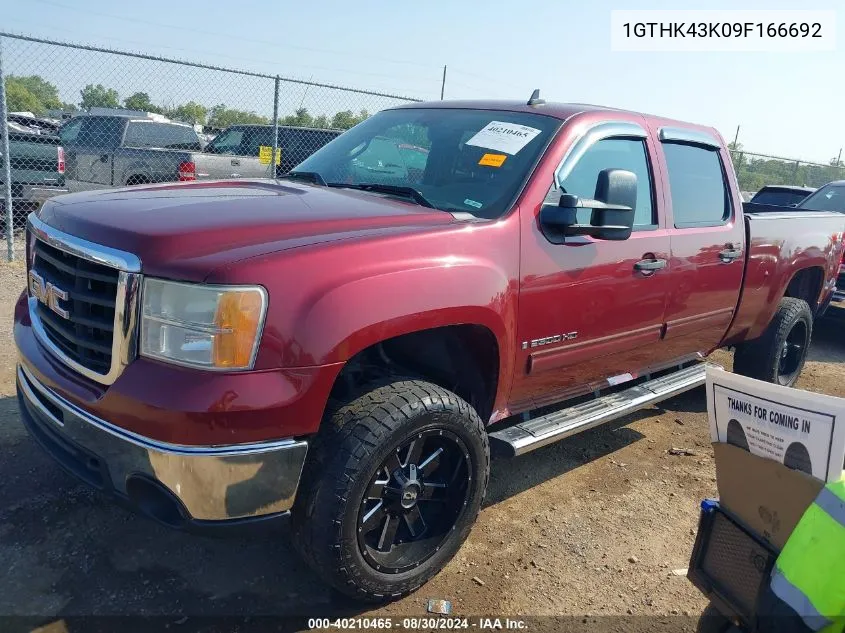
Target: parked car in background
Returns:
[[118, 150], [30, 123], [38, 172], [830, 197], [350, 344], [245, 142], [781, 195]]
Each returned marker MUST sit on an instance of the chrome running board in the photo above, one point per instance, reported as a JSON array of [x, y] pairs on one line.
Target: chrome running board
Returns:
[[552, 427]]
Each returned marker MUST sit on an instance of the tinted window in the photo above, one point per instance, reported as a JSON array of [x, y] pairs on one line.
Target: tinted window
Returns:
[[93, 131], [697, 185], [70, 131], [476, 161], [299, 143], [254, 138], [778, 197], [828, 198], [610, 153], [227, 142], [164, 135]]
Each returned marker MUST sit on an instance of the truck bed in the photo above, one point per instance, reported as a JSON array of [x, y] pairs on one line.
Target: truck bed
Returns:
[[779, 244]]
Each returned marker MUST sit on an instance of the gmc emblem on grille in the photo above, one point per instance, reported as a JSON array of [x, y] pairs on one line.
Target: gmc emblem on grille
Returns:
[[47, 293]]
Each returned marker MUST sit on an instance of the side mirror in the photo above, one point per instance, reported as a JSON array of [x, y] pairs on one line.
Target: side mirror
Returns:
[[612, 215]]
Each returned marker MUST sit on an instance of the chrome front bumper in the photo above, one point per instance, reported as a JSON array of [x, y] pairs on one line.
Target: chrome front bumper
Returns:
[[205, 483]]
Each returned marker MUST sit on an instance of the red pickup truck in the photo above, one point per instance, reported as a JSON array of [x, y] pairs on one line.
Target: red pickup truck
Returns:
[[347, 344]]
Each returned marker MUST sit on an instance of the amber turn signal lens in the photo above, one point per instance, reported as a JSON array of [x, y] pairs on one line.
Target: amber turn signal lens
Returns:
[[238, 319]]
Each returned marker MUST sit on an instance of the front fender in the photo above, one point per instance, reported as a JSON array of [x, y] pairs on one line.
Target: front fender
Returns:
[[386, 306], [328, 302]]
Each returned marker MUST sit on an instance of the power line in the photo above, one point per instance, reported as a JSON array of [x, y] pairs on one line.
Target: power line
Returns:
[[431, 82], [252, 40]]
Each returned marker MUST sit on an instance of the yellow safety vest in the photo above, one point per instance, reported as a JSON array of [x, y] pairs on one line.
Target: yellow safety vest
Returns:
[[809, 574]]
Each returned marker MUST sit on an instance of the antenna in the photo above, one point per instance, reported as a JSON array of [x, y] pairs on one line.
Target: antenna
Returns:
[[535, 98]]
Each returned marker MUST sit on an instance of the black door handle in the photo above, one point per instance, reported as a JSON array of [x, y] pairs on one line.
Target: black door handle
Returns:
[[729, 254], [235, 162], [650, 265]]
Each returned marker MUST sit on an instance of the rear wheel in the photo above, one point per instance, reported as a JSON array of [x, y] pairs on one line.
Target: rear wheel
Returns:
[[778, 356], [392, 486]]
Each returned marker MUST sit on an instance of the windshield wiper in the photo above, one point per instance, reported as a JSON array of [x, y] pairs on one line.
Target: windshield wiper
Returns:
[[308, 176], [399, 190]]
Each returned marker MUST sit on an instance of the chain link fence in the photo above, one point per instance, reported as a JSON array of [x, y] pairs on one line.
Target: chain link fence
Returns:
[[82, 117], [754, 171]]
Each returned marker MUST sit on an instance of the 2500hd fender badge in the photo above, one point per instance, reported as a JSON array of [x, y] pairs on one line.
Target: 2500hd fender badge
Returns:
[[548, 340]]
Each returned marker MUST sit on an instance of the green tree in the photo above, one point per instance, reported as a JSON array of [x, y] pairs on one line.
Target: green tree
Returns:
[[347, 119], [300, 119], [190, 112], [220, 116], [140, 101], [31, 94], [98, 97]]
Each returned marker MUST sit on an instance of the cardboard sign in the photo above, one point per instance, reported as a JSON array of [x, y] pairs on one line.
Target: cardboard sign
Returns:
[[266, 151], [802, 430]]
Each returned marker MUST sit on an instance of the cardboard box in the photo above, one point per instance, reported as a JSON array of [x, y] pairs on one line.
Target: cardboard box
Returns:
[[768, 497]]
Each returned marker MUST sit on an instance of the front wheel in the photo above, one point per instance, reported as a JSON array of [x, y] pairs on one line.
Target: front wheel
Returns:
[[778, 356], [392, 487]]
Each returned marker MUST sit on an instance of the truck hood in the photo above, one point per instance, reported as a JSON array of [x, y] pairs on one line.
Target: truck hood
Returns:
[[186, 230]]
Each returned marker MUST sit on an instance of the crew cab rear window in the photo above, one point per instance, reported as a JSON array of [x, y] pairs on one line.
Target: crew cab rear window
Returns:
[[611, 153], [164, 135], [699, 193]]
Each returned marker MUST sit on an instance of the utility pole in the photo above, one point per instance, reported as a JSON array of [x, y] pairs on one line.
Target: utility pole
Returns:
[[443, 85], [736, 137], [839, 158]]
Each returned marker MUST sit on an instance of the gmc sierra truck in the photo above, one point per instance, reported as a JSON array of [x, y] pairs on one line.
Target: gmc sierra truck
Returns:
[[346, 345]]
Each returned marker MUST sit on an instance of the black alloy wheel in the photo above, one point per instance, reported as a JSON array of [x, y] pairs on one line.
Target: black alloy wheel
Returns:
[[792, 353], [414, 501]]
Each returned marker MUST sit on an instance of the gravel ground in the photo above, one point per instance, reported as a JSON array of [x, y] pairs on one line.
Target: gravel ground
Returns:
[[591, 526]]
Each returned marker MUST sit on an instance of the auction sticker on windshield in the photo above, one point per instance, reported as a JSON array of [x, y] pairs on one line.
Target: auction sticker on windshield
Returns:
[[504, 137]]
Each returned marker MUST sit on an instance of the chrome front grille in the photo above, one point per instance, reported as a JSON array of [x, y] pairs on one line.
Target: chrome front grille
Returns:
[[83, 301], [84, 327]]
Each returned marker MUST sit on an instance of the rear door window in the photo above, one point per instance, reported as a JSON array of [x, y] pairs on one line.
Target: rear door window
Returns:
[[698, 188], [227, 142]]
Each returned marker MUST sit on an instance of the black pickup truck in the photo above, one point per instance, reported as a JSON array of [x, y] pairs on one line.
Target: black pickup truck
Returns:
[[781, 195]]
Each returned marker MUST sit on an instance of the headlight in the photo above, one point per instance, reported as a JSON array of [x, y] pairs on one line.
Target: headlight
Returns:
[[210, 327]]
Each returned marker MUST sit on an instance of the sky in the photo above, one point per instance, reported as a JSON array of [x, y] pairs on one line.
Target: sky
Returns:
[[786, 104]]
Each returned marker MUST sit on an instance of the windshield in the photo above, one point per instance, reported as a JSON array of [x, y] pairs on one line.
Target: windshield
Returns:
[[473, 161], [828, 198]]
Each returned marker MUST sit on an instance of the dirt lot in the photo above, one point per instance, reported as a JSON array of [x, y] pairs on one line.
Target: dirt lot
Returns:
[[593, 526]]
